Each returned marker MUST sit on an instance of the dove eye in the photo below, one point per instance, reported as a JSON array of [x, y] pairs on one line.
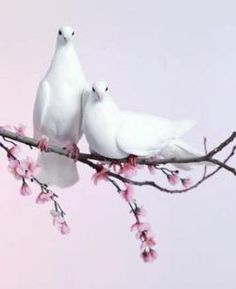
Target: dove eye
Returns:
[[73, 33], [93, 89], [106, 89], [59, 32]]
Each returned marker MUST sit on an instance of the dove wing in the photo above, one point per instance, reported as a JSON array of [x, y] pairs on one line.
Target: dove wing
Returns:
[[40, 108], [142, 134], [84, 101]]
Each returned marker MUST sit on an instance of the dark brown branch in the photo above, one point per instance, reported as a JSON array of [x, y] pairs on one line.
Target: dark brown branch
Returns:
[[154, 184], [55, 149]]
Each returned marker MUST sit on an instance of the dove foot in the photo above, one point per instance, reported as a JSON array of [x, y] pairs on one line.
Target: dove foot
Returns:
[[116, 166], [73, 151], [132, 160], [43, 143]]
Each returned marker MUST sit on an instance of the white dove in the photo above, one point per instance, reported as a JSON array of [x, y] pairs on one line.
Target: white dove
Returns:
[[118, 134], [58, 112]]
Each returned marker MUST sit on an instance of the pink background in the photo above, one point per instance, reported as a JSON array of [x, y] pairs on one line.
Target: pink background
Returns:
[[171, 58]]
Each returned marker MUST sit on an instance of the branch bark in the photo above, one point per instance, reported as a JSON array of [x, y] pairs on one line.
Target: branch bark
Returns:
[[83, 156]]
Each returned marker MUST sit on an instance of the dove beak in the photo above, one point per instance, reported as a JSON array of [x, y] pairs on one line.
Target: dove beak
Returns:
[[99, 97]]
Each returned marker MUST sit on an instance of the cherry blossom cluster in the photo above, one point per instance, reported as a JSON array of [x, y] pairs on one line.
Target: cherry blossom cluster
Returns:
[[143, 229], [128, 170], [119, 173], [26, 170], [174, 178], [172, 175]]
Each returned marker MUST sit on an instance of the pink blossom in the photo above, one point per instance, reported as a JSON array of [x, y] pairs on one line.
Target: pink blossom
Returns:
[[43, 143], [57, 217], [140, 212], [145, 234], [30, 167], [64, 228], [44, 197], [187, 182], [149, 256], [16, 169], [140, 227], [100, 176], [152, 169], [173, 179], [25, 189], [20, 129], [14, 151], [139, 235], [128, 194], [149, 242], [128, 170], [59, 221]]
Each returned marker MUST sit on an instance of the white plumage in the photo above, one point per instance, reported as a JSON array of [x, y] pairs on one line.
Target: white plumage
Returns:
[[58, 110], [116, 134]]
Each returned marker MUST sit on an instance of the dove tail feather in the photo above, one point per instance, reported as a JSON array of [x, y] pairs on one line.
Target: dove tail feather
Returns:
[[182, 126], [180, 150], [56, 170]]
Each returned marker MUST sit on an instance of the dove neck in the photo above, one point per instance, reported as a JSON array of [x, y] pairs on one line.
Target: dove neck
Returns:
[[65, 58]]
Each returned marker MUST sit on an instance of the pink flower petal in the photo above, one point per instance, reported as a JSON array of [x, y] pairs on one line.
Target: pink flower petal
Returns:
[[140, 212], [128, 170], [14, 151], [100, 176], [44, 197], [140, 227], [154, 254], [173, 179], [148, 243], [149, 256], [54, 213], [25, 190], [146, 256], [57, 218], [128, 194], [16, 169], [31, 168], [152, 169], [64, 228], [187, 182]]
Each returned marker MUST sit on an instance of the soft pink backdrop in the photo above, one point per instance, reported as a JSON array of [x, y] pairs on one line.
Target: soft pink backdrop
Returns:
[[171, 58]]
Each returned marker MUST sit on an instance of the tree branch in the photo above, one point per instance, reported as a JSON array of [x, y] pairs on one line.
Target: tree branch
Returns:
[[55, 149], [104, 171]]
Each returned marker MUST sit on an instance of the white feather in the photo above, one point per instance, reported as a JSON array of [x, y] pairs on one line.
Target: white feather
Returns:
[[57, 111], [117, 134], [57, 170]]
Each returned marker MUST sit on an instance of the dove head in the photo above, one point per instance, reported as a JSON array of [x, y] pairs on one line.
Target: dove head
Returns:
[[65, 35], [100, 90]]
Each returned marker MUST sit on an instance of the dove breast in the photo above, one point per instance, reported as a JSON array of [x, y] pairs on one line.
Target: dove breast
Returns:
[[100, 125]]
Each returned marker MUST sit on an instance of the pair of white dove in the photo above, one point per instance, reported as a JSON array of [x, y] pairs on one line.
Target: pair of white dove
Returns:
[[66, 106]]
